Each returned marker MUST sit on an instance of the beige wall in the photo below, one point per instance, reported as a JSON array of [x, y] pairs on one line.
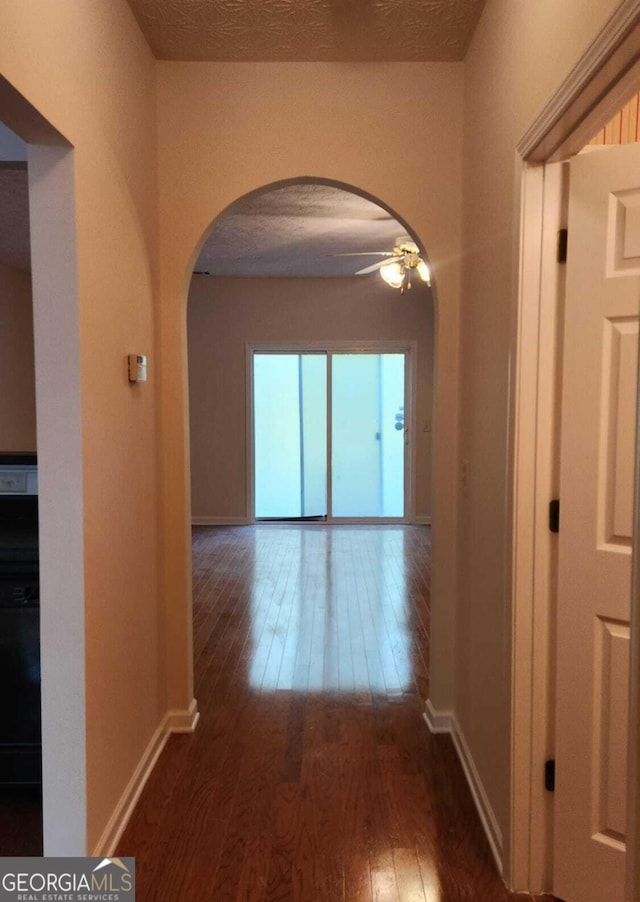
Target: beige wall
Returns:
[[392, 130], [17, 373], [224, 314], [519, 56], [87, 69]]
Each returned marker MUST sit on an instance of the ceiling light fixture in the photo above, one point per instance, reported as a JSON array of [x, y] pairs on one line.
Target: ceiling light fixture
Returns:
[[398, 273], [405, 260]]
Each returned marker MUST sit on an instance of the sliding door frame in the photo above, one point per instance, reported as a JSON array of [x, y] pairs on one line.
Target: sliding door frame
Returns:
[[408, 348]]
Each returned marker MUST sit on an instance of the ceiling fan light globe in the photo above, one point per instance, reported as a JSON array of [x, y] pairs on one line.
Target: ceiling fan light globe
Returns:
[[393, 274], [423, 272]]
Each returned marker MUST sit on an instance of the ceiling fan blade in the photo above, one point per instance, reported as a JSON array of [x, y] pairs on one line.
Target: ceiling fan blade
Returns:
[[365, 254], [373, 267]]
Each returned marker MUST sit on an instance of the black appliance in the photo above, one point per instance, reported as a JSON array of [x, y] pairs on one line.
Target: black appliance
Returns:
[[20, 719]]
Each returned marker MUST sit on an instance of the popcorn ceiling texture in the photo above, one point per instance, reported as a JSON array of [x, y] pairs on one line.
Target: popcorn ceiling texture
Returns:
[[308, 30], [296, 231]]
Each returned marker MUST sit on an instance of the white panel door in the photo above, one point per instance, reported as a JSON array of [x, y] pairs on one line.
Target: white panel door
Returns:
[[594, 577]]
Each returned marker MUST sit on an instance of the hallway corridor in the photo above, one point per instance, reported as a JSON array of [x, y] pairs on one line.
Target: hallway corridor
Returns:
[[312, 776]]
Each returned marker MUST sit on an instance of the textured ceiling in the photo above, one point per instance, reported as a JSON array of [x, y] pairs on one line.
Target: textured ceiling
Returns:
[[308, 30], [14, 219], [295, 231]]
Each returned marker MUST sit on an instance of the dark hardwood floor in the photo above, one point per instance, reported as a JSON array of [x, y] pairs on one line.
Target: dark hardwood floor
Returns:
[[311, 776]]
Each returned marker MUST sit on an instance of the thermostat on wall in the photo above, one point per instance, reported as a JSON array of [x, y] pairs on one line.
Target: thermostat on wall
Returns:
[[137, 368]]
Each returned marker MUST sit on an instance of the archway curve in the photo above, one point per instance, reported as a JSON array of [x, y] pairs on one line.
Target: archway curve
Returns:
[[254, 236], [309, 180], [419, 462]]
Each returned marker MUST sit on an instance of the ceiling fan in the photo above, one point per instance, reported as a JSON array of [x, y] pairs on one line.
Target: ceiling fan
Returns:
[[399, 264]]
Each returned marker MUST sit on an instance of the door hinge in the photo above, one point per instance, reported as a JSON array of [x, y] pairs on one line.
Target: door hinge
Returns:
[[563, 236], [554, 515], [550, 775]]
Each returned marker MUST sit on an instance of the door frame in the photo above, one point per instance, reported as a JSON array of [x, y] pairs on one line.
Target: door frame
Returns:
[[389, 346], [605, 77], [52, 211]]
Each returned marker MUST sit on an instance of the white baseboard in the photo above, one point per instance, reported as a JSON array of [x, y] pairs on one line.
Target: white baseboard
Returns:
[[219, 521], [183, 721], [176, 721], [447, 722], [437, 721], [480, 797], [124, 809], [421, 520]]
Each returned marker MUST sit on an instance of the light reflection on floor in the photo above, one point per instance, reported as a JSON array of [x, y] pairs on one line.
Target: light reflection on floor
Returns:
[[340, 623], [399, 872]]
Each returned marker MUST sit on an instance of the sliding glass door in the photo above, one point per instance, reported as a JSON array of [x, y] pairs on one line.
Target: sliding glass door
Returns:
[[367, 435], [290, 435], [329, 435]]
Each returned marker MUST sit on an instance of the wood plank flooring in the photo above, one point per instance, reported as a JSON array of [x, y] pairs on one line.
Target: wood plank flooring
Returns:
[[311, 776]]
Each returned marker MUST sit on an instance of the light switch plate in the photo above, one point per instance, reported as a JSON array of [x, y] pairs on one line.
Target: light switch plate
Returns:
[[137, 368]]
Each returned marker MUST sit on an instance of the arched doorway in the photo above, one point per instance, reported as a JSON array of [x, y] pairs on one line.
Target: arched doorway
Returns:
[[277, 300], [183, 706], [183, 242]]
